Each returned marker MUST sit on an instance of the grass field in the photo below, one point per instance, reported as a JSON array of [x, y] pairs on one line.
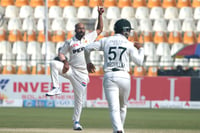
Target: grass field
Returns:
[[96, 120]]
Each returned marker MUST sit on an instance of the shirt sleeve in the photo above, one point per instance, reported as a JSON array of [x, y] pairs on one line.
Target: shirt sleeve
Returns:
[[92, 47], [137, 55], [64, 49], [91, 37]]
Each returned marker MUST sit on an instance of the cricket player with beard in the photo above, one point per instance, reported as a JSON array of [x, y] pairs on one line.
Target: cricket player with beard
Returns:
[[75, 68], [118, 52]]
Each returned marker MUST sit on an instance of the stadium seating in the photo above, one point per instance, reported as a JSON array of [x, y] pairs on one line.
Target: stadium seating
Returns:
[[113, 12], [11, 11], [176, 47], [35, 3], [174, 37], [183, 3], [109, 3], [65, 3], [25, 11], [58, 36], [94, 3], [42, 38], [181, 62], [14, 35], [185, 13], [142, 12], [145, 25], [19, 47], [14, 24], [55, 12], [84, 12], [39, 12], [5, 3], [152, 60], [189, 38], [79, 3], [197, 13], [149, 49], [127, 12], [162, 26], [139, 3], [139, 71], [156, 13], [188, 25], [3, 35], [152, 71], [163, 49], [21, 63], [33, 47], [29, 23], [171, 12], [168, 3], [29, 36], [5, 47], [154, 3], [174, 25], [52, 3], [166, 62], [194, 63], [20, 3], [8, 63], [195, 3], [133, 37], [124, 3], [146, 36], [69, 12], [159, 37]]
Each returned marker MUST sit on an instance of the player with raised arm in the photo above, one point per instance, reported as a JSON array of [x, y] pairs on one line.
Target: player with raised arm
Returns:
[[116, 83], [75, 68]]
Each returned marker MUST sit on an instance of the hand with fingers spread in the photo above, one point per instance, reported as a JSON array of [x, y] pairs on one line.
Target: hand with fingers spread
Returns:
[[91, 68]]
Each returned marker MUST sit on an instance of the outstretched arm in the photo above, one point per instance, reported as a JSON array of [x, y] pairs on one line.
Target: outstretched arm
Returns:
[[99, 28], [91, 47]]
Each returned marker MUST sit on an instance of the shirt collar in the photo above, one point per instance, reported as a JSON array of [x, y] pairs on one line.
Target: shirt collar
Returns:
[[120, 35]]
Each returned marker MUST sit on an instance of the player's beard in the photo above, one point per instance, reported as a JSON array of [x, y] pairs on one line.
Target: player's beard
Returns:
[[80, 35], [126, 34]]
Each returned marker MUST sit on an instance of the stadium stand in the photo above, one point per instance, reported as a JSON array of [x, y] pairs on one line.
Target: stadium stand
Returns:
[[65, 3], [20, 3], [35, 3], [95, 3], [79, 3], [163, 27], [6, 3], [124, 3], [139, 3], [154, 3], [168, 3]]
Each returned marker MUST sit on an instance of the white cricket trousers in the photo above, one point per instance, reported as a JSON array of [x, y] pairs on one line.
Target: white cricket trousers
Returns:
[[117, 90], [78, 80]]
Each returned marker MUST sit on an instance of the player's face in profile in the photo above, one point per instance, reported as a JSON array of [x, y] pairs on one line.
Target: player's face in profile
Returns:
[[80, 30], [126, 32]]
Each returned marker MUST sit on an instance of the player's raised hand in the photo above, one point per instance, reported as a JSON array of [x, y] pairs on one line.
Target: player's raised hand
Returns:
[[91, 68], [100, 10], [65, 66]]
